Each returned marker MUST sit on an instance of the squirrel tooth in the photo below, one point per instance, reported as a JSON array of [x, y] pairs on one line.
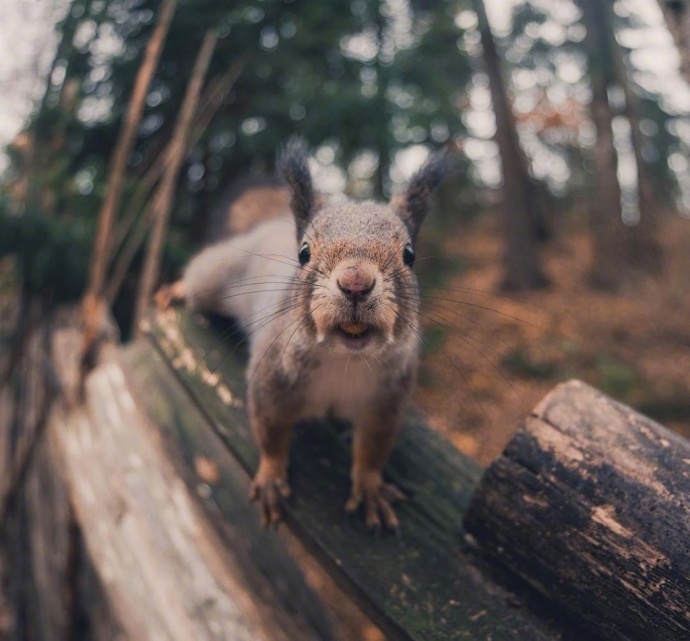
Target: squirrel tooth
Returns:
[[353, 329]]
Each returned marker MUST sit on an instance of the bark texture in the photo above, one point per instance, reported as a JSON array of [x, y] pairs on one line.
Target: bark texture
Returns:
[[589, 504]]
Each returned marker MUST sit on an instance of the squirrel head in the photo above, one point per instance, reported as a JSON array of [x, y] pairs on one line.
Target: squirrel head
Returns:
[[411, 206], [357, 258]]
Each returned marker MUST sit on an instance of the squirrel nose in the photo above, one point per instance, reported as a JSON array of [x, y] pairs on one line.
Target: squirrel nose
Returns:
[[355, 285]]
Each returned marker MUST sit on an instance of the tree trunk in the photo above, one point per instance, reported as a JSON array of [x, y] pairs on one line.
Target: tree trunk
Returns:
[[521, 266], [644, 252], [605, 210], [606, 220], [621, 252]]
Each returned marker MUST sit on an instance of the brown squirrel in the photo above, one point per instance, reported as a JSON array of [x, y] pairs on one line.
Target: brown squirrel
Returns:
[[331, 312]]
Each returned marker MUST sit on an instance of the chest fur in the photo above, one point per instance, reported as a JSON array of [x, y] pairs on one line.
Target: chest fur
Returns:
[[342, 386]]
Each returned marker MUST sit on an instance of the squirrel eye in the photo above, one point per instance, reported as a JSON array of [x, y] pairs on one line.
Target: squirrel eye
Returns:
[[408, 255], [304, 254]]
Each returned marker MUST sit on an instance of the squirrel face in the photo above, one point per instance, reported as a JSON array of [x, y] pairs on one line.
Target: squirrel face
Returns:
[[361, 292], [356, 259]]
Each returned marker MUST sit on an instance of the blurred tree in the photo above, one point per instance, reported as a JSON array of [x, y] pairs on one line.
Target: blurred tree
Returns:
[[48, 133], [547, 65], [521, 264], [606, 222], [360, 80], [623, 248], [643, 249]]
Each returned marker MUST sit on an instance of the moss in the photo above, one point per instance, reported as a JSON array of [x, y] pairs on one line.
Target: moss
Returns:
[[615, 378], [520, 364]]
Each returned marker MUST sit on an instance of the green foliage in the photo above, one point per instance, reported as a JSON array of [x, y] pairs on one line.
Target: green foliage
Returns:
[[326, 71], [348, 74], [52, 255], [360, 75], [522, 365], [615, 377]]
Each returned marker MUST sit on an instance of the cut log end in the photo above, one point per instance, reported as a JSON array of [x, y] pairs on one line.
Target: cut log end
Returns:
[[589, 504]]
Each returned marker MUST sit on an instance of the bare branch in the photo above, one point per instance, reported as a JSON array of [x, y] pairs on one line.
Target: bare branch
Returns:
[[101, 248], [176, 154]]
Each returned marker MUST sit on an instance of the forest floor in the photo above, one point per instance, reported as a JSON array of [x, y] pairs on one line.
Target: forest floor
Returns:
[[492, 357]]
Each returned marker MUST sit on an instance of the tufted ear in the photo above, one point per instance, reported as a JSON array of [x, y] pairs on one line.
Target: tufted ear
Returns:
[[293, 168], [413, 204]]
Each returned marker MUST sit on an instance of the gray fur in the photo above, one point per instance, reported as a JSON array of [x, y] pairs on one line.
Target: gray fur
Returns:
[[415, 203], [292, 166], [304, 362]]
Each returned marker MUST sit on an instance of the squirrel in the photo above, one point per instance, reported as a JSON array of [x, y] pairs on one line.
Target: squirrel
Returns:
[[331, 313]]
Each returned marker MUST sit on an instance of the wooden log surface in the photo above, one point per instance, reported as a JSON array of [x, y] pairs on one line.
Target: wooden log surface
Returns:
[[53, 591], [421, 586], [590, 503], [166, 574], [107, 542]]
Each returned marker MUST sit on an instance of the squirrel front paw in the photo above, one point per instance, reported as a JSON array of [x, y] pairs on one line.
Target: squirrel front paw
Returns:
[[169, 295], [267, 489], [376, 497]]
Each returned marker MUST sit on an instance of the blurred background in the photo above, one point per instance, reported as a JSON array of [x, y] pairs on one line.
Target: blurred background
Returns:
[[559, 250]]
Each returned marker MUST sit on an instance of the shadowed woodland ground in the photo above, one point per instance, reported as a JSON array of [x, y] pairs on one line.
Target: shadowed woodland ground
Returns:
[[484, 370]]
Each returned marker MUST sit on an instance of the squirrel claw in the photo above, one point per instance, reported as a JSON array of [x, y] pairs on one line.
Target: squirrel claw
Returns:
[[377, 506], [268, 494]]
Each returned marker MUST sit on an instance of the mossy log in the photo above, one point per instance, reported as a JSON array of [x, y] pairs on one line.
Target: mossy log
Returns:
[[106, 540], [131, 520], [423, 585]]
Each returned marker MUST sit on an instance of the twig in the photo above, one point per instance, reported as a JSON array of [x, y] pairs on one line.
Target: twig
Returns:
[[99, 259], [164, 195], [213, 98]]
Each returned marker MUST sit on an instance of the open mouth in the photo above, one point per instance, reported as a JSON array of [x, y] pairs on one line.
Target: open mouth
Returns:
[[355, 335]]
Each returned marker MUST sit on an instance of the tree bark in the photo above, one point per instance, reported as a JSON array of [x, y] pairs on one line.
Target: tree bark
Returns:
[[521, 265], [606, 221], [605, 210], [644, 254], [621, 252], [589, 504]]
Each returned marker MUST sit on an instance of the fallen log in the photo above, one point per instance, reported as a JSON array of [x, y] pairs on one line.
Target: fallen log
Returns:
[[131, 520], [590, 504], [107, 542]]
